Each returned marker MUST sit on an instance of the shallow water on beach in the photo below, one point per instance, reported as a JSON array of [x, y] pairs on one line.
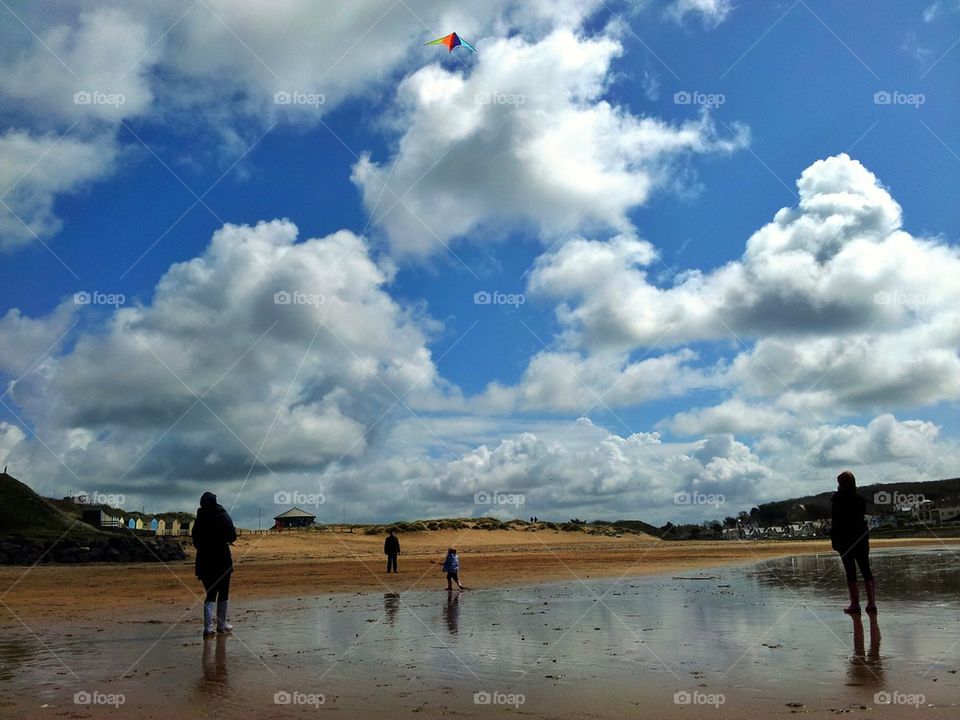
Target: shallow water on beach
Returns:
[[757, 636]]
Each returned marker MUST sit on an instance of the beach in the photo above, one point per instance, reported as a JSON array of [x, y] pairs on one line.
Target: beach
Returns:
[[553, 626], [300, 564]]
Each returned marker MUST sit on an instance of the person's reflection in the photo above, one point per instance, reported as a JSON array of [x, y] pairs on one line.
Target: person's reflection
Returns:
[[865, 666], [451, 612], [214, 663], [391, 605]]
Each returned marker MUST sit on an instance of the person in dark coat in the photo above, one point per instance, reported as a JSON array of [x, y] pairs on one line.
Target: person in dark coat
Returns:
[[850, 537], [391, 548], [213, 533]]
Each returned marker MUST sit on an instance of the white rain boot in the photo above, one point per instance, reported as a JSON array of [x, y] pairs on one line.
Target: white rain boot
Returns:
[[222, 625], [208, 629]]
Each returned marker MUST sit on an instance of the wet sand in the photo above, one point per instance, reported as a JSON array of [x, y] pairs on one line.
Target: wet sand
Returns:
[[302, 564], [759, 640]]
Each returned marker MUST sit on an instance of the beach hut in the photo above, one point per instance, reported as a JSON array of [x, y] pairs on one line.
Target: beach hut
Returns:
[[101, 516], [168, 525], [294, 518], [154, 525]]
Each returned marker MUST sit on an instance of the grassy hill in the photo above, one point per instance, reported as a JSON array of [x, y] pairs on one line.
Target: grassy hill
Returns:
[[24, 513]]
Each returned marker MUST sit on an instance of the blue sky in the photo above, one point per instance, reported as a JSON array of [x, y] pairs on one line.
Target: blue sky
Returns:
[[797, 85]]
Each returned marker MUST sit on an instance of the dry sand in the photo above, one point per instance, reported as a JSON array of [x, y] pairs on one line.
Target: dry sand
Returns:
[[298, 564]]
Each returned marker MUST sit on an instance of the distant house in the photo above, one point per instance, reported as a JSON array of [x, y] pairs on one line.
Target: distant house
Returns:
[[101, 516], [80, 497], [949, 512], [941, 511], [808, 528], [734, 533], [294, 518], [927, 512]]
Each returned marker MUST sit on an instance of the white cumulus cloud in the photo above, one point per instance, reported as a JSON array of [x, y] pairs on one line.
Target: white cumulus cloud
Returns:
[[524, 136]]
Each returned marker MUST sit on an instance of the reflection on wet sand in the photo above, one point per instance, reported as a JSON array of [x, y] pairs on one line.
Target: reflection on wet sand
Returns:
[[14, 652], [866, 667], [767, 634], [451, 611], [214, 664], [391, 606]]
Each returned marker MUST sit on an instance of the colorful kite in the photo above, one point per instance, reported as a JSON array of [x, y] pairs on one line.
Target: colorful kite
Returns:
[[451, 41]]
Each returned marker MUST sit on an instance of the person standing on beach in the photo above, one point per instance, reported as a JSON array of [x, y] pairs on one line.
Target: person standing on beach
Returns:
[[850, 537], [451, 566], [391, 548], [213, 533]]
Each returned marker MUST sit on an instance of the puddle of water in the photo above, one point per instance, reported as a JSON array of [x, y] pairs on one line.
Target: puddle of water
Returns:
[[762, 635]]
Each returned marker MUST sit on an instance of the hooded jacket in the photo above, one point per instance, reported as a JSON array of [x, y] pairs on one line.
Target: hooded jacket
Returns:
[[848, 527], [451, 564], [213, 531]]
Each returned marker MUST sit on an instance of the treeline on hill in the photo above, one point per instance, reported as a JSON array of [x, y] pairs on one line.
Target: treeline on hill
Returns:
[[817, 507]]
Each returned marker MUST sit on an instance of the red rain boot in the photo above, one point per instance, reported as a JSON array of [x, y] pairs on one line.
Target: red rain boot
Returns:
[[854, 607], [871, 597]]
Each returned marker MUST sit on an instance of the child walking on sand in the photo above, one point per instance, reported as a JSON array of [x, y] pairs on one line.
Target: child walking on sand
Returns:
[[451, 566]]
